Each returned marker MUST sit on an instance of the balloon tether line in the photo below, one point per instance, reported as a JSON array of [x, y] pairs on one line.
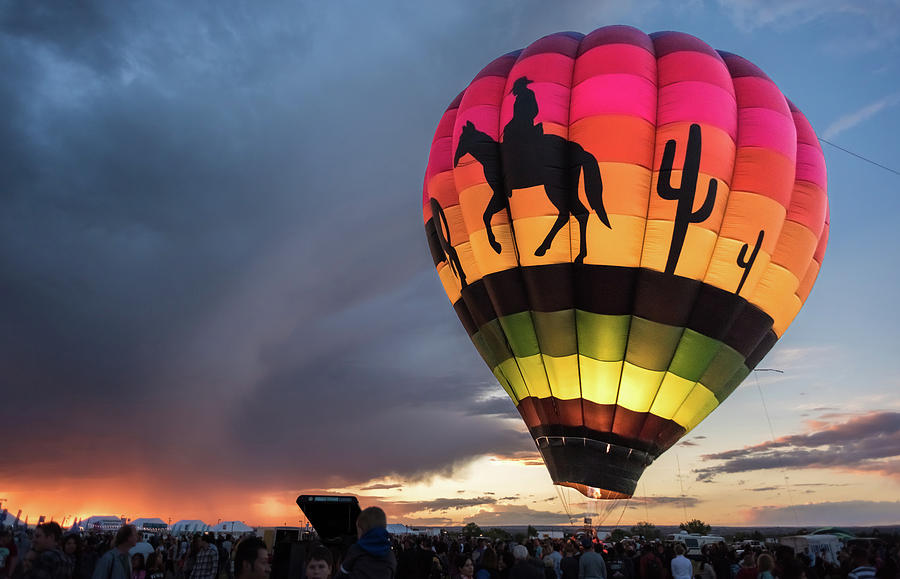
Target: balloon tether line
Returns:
[[787, 486], [877, 164]]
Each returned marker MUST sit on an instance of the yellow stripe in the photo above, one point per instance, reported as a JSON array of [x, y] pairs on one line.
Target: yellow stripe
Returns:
[[699, 403], [672, 393], [724, 272], [599, 380], [638, 387], [695, 253], [565, 383]]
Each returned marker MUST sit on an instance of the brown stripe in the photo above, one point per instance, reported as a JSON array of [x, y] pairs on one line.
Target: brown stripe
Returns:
[[611, 290]]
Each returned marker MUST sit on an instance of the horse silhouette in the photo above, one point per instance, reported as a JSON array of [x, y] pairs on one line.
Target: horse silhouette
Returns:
[[526, 158]]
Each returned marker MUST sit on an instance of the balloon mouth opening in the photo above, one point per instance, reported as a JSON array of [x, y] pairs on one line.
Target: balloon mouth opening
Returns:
[[595, 493]]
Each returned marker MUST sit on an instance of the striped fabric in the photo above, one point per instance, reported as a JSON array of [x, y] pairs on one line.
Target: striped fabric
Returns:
[[619, 319]]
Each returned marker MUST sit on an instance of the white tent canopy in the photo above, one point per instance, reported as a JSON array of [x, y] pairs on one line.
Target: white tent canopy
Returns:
[[189, 526], [234, 527], [150, 524]]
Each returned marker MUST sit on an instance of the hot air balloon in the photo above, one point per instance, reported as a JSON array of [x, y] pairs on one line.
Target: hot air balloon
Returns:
[[625, 225]]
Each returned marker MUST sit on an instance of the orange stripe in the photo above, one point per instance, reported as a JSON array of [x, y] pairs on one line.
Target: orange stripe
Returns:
[[765, 172], [747, 214], [443, 188], [615, 138], [795, 248], [663, 209], [717, 150]]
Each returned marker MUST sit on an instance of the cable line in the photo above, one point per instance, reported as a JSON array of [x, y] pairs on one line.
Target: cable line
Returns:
[[877, 164]]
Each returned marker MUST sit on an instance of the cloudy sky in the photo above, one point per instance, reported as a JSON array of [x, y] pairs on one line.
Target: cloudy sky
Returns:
[[217, 294]]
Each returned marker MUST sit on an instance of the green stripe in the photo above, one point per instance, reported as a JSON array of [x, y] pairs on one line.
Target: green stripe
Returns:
[[651, 345], [602, 337], [694, 353], [609, 338]]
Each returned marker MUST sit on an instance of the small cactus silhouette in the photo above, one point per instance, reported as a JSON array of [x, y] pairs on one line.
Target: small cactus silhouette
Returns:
[[684, 214], [747, 264]]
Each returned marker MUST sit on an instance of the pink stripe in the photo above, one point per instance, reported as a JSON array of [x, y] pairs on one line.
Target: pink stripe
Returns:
[[614, 94], [484, 117], [553, 103], [805, 132], [487, 90], [694, 66], [615, 59], [441, 157], [755, 91], [811, 165], [768, 129], [544, 67], [697, 102]]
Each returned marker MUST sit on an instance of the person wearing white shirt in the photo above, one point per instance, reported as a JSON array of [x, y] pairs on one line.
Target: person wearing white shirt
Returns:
[[681, 565]]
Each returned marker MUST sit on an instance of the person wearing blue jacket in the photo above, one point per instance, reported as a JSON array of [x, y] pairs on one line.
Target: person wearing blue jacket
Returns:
[[371, 556]]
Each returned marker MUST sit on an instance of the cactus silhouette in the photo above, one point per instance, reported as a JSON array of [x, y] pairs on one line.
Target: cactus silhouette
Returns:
[[747, 264], [684, 214]]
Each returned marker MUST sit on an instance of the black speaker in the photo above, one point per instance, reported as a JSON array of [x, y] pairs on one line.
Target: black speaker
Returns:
[[288, 560], [333, 517]]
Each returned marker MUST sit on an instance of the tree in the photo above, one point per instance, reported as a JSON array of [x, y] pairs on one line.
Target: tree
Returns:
[[617, 535], [531, 532], [498, 534], [471, 530], [646, 530], [695, 526]]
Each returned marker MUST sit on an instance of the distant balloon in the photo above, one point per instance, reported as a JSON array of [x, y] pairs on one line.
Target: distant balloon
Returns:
[[625, 225]]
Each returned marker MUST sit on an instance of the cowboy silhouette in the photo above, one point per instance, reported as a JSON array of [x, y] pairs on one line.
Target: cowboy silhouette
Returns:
[[521, 127]]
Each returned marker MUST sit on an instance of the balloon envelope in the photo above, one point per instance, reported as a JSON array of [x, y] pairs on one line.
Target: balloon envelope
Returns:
[[625, 225]]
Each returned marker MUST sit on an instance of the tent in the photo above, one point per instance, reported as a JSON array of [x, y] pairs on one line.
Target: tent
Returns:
[[153, 525], [189, 526], [101, 523], [233, 527], [397, 529]]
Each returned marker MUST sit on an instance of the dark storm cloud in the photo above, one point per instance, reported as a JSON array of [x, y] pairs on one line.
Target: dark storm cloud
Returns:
[[868, 442], [211, 248]]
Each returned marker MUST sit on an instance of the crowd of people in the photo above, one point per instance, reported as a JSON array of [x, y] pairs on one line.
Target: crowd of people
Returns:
[[47, 553], [587, 558]]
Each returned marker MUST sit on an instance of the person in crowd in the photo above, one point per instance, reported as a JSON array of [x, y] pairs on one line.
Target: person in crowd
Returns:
[[861, 565], [523, 568], [9, 554], [591, 565], [505, 563], [74, 552], [681, 565], [251, 560], [568, 566], [137, 566], [465, 568], [555, 556], [650, 566], [319, 564], [488, 565], [51, 563], [115, 563], [156, 568], [765, 564], [705, 569], [371, 556], [27, 565], [549, 572], [618, 565], [748, 568], [207, 563]]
